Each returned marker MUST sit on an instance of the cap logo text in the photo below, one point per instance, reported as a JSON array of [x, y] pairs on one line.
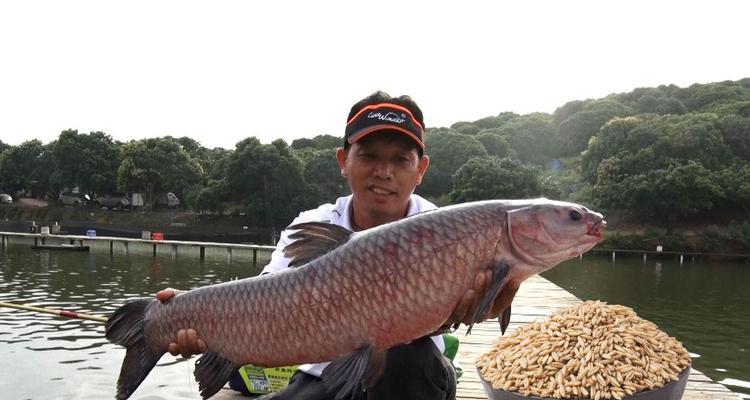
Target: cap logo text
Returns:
[[390, 117]]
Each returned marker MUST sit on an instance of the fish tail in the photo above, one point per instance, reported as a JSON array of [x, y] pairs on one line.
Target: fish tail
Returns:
[[126, 328]]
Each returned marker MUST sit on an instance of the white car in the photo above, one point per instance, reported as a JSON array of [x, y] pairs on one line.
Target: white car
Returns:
[[5, 198]]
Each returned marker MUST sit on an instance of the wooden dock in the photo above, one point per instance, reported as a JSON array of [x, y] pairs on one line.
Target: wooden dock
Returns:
[[536, 299]]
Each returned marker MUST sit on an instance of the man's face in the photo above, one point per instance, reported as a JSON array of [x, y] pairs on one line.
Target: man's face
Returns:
[[382, 171]]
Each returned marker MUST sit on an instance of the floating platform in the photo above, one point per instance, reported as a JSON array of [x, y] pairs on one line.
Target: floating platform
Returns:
[[68, 247]]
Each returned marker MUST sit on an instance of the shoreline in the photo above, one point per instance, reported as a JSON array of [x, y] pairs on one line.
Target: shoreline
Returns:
[[726, 236]]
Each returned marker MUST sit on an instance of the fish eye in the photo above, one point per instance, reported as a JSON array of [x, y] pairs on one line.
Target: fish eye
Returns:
[[575, 215]]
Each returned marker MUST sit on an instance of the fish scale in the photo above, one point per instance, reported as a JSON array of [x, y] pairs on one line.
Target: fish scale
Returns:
[[376, 289]]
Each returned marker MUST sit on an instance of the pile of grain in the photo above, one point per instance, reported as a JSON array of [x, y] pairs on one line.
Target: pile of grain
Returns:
[[591, 350]]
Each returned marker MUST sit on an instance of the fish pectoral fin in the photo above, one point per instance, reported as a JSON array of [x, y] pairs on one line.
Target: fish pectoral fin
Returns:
[[312, 240], [503, 302], [500, 271], [212, 371], [354, 372], [505, 320]]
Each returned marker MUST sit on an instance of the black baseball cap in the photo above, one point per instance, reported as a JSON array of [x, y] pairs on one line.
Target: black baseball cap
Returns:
[[382, 117]]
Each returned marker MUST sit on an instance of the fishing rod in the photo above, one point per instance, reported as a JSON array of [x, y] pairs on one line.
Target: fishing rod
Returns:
[[59, 313]]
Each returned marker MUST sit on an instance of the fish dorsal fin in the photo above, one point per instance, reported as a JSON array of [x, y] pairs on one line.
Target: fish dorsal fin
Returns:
[[348, 375], [312, 240]]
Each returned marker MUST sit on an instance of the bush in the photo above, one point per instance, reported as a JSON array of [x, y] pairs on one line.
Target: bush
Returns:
[[741, 234], [624, 242], [713, 238], [55, 213], [648, 240], [676, 242], [9, 211]]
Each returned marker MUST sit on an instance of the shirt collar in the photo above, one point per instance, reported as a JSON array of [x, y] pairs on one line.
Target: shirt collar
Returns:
[[345, 217]]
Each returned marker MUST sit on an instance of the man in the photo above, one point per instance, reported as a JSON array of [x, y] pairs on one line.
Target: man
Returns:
[[383, 161]]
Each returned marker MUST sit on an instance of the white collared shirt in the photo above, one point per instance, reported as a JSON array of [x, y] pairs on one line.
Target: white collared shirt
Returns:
[[337, 214]]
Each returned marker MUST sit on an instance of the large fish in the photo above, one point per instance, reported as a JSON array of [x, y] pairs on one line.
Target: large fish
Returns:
[[354, 295]]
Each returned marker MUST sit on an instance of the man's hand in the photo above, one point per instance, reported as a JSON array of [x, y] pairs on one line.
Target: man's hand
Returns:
[[188, 342]]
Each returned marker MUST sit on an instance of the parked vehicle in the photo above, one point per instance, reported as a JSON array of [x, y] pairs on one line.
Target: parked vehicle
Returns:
[[169, 200], [75, 199], [6, 198], [120, 201]]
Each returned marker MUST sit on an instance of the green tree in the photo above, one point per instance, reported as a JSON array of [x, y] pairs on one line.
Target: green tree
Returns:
[[737, 109], [191, 146], [735, 181], [533, 137], [567, 110], [495, 144], [212, 193], [319, 142], [448, 151], [155, 166], [666, 195], [576, 130], [267, 179], [484, 178], [467, 128], [660, 105], [639, 144], [327, 142], [494, 122], [303, 143], [89, 161], [696, 137], [26, 166], [194, 149], [736, 133], [322, 173], [700, 97], [608, 143], [216, 165], [210, 197]]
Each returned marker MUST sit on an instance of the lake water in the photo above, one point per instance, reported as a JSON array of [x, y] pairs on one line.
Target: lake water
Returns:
[[44, 357]]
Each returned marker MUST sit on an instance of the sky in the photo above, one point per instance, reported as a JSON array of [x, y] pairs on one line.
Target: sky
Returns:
[[221, 71]]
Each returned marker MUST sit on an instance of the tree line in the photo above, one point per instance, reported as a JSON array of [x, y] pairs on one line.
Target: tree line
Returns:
[[664, 153]]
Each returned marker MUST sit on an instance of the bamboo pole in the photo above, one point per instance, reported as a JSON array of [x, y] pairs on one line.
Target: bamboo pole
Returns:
[[59, 313]]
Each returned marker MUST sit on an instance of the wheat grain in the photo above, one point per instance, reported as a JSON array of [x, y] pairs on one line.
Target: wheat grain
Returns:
[[591, 350]]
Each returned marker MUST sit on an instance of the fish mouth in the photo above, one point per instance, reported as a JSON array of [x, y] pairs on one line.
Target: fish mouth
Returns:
[[597, 228]]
